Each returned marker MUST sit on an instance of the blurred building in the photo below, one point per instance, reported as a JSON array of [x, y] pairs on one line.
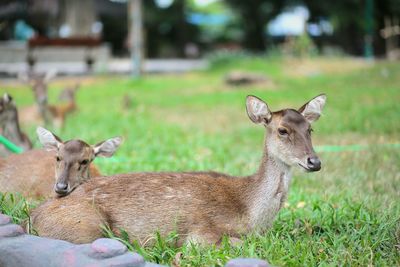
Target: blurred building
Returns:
[[166, 25]]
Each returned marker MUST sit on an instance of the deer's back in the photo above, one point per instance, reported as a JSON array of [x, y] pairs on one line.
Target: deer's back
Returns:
[[30, 173], [143, 203]]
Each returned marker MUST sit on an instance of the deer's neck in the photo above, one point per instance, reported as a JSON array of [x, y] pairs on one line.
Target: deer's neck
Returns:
[[267, 192], [12, 131], [71, 104]]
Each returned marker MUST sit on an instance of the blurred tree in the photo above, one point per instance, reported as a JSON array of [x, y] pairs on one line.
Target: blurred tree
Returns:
[[384, 8], [348, 19], [78, 15], [254, 16], [114, 17], [10, 12], [167, 31], [218, 24]]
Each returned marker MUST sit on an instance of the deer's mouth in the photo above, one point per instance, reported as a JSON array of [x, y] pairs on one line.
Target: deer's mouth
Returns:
[[310, 169], [61, 194], [305, 168]]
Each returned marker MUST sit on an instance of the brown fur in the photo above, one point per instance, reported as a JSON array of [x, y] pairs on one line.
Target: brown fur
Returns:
[[59, 112], [145, 194], [200, 206], [31, 173]]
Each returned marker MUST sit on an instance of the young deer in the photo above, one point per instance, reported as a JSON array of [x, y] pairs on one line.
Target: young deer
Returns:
[[32, 173], [68, 93], [200, 206], [38, 83], [60, 111], [9, 125]]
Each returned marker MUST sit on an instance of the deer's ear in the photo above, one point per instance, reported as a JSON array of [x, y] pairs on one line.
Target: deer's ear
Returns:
[[108, 147], [257, 110], [7, 98], [312, 109], [49, 140], [49, 75]]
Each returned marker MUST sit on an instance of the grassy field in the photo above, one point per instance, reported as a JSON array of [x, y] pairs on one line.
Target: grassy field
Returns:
[[347, 214]]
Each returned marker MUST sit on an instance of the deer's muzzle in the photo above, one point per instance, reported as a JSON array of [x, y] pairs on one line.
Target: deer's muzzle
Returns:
[[313, 164]]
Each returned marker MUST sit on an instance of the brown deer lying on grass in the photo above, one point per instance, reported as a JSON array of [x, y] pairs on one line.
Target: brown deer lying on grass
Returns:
[[32, 173], [200, 206], [9, 125]]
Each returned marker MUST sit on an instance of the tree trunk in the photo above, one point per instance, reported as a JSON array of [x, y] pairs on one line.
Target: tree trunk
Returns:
[[79, 16]]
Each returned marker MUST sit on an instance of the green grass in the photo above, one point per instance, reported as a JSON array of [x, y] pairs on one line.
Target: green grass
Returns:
[[346, 214]]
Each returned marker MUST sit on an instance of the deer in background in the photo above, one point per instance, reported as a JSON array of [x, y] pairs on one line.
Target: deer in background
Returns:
[[10, 127], [48, 113], [60, 111], [32, 173], [38, 84], [200, 206]]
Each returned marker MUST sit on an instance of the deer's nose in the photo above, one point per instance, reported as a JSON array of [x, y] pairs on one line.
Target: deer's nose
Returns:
[[61, 188], [313, 163]]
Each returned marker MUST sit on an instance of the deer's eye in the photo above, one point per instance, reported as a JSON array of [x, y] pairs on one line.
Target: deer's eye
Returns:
[[84, 162], [58, 158], [282, 131]]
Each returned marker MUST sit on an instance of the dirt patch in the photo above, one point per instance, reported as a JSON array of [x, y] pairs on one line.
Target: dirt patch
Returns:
[[210, 120], [315, 67]]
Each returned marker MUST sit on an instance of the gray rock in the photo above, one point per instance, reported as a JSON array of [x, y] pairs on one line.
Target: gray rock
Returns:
[[10, 230], [4, 219], [106, 248], [18, 249]]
